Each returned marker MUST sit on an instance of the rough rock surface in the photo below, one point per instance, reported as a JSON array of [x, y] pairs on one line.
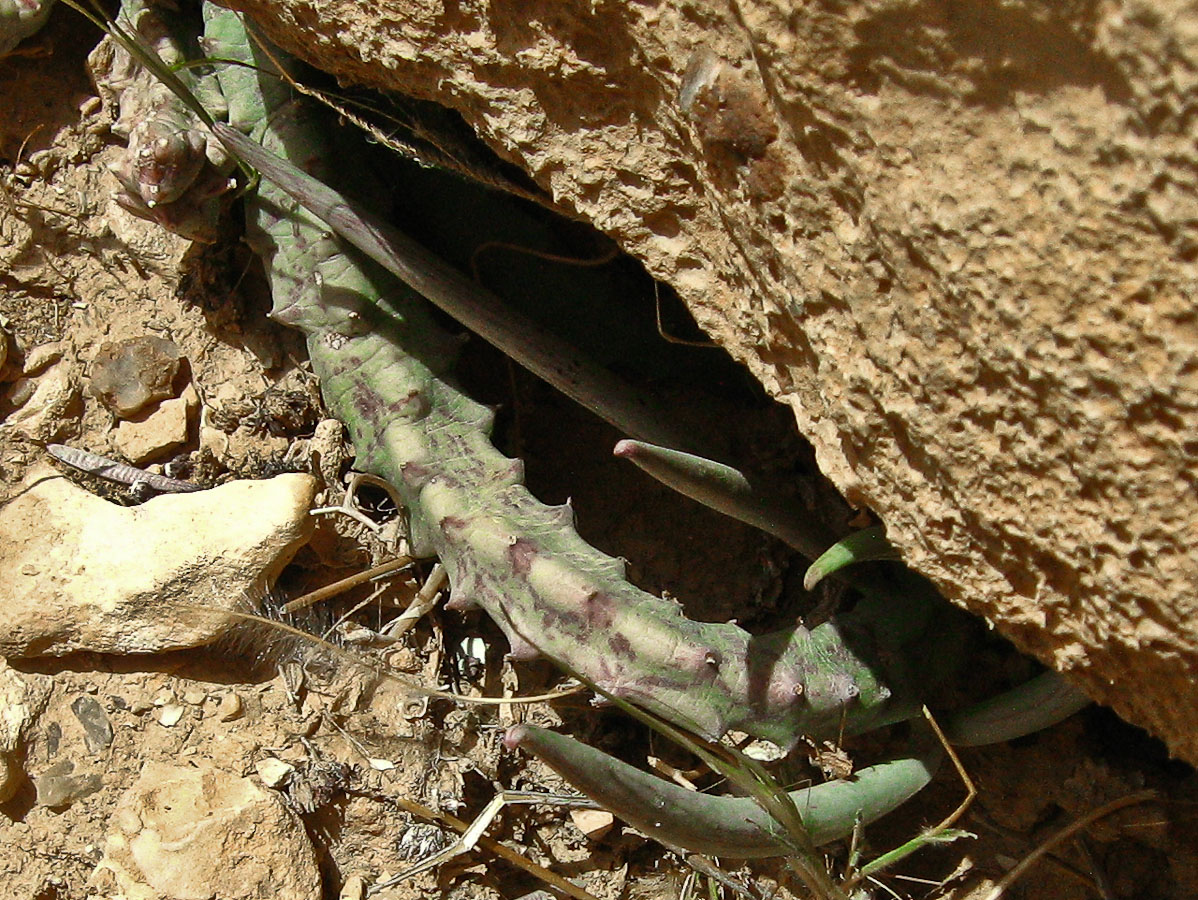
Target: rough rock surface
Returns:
[[163, 431], [80, 573], [185, 833], [22, 699], [958, 239], [45, 406]]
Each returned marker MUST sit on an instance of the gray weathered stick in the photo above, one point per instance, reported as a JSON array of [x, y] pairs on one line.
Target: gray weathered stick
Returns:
[[94, 464], [537, 349]]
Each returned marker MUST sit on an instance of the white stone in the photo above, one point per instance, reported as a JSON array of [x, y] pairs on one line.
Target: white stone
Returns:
[[78, 573], [187, 833], [273, 771]]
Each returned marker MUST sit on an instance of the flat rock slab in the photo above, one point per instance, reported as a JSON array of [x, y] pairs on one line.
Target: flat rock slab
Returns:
[[186, 833], [78, 573]]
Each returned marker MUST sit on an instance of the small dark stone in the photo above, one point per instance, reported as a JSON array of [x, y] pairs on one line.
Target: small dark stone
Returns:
[[97, 731], [129, 375], [59, 787]]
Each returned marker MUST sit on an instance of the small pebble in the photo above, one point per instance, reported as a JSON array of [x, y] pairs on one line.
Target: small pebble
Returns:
[[403, 659], [594, 823], [763, 751], [194, 697], [353, 889], [22, 392], [170, 714], [230, 707], [59, 787], [161, 432], [129, 375], [273, 772], [41, 357], [97, 730]]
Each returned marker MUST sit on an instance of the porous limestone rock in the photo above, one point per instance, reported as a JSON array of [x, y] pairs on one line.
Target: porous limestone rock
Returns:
[[959, 240], [80, 573], [186, 833]]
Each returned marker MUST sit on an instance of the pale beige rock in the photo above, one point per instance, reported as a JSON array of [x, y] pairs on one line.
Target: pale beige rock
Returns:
[[164, 430], [594, 823], [42, 356], [273, 771], [183, 833], [22, 699], [230, 707], [80, 573], [353, 889], [47, 404], [329, 451], [959, 243]]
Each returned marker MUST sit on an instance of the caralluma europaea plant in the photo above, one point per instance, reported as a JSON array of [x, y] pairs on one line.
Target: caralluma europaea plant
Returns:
[[357, 288]]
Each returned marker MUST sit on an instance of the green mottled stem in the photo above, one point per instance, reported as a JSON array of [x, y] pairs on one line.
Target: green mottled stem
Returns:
[[383, 367], [254, 89], [19, 19], [735, 827], [739, 827], [173, 171]]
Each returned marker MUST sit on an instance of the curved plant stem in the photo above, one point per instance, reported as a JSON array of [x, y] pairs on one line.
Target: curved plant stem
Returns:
[[861, 546], [735, 827], [1034, 705], [729, 491]]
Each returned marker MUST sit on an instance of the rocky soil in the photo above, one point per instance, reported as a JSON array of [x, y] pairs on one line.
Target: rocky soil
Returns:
[[154, 746]]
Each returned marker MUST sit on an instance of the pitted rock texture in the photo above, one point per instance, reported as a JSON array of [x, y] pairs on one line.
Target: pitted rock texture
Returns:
[[959, 240], [184, 832]]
